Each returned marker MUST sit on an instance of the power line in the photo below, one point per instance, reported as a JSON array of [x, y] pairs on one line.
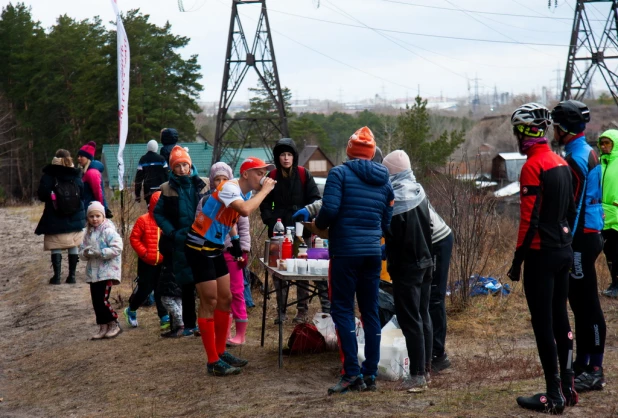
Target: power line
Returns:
[[478, 11], [401, 46], [328, 56], [460, 38], [487, 26]]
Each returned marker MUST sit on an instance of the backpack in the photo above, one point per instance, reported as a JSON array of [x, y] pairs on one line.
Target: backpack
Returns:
[[302, 174], [68, 197], [306, 339]]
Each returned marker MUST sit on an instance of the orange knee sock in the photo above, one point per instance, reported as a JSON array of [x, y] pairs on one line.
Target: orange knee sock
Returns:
[[207, 330], [222, 325]]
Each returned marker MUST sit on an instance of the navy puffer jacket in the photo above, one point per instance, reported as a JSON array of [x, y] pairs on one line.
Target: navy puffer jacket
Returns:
[[357, 206]]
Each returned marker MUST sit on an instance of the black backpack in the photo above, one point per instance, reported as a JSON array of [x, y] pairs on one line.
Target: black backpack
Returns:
[[68, 197]]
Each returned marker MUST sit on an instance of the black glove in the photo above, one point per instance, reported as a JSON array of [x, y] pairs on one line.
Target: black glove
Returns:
[[514, 272], [235, 249]]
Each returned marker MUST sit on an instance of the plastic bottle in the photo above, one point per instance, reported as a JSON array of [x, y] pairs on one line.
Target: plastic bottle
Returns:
[[302, 251], [318, 243], [53, 199], [278, 229], [286, 249]]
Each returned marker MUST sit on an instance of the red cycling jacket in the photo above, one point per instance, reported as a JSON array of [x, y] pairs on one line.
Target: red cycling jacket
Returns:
[[547, 209]]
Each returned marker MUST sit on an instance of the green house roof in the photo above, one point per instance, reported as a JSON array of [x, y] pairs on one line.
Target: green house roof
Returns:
[[201, 157]]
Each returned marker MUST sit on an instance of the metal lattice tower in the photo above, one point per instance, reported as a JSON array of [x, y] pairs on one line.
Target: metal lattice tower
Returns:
[[587, 54], [235, 133]]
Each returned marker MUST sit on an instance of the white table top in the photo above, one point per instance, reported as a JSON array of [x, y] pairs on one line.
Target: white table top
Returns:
[[285, 275]]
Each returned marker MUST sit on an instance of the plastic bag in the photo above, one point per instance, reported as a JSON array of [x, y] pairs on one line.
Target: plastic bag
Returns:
[[360, 332], [394, 362], [325, 325]]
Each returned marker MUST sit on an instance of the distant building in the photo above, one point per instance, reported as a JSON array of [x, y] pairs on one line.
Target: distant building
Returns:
[[200, 153], [506, 167], [314, 159]]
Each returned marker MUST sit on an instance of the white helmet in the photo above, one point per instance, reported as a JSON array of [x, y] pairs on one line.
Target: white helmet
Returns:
[[532, 115]]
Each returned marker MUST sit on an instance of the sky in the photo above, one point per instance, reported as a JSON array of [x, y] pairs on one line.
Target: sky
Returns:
[[350, 50]]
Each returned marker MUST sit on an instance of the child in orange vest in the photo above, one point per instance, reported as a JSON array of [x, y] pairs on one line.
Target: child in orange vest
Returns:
[[145, 241]]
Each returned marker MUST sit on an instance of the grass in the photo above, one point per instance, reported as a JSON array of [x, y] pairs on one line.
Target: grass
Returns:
[[490, 344]]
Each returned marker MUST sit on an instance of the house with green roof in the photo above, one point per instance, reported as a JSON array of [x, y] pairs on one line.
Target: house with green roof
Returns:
[[200, 153]]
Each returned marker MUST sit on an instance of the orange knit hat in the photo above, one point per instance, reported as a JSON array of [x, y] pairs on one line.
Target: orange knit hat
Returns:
[[362, 145], [179, 155]]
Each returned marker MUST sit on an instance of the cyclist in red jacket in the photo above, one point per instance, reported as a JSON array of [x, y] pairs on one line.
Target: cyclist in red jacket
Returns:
[[544, 246]]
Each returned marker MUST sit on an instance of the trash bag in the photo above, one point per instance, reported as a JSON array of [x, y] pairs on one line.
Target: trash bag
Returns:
[[325, 325], [480, 286], [386, 307]]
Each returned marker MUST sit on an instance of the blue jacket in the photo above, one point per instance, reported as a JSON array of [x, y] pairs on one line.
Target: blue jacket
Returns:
[[357, 206], [586, 170]]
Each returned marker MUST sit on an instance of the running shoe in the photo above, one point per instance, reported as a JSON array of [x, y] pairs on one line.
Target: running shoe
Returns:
[[348, 383], [221, 368], [233, 360], [165, 322], [131, 317]]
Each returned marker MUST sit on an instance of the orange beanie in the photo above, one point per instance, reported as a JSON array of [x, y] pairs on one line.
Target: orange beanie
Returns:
[[179, 155], [362, 145]]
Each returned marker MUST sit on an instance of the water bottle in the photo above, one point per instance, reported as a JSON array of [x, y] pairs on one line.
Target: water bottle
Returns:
[[286, 249], [53, 199], [279, 229]]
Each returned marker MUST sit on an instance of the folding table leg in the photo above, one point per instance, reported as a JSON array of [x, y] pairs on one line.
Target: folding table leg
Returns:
[[266, 294]]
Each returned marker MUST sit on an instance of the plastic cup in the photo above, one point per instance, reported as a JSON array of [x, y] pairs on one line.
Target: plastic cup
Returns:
[[311, 266], [291, 265], [301, 266], [299, 229]]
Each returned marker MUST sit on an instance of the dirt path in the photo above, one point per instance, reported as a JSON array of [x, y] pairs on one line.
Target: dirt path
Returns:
[[49, 368]]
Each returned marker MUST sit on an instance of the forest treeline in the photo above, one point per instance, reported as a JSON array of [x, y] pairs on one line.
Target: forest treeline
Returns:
[[58, 89]]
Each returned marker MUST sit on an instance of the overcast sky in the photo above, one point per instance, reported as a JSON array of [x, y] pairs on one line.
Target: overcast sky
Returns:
[[321, 56]]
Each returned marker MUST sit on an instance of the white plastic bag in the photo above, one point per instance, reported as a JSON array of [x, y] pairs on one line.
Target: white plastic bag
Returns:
[[394, 363], [325, 325]]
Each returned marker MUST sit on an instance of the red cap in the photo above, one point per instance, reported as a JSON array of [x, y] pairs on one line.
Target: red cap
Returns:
[[252, 163]]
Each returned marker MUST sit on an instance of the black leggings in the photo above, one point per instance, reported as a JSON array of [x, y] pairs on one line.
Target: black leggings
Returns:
[[546, 284], [147, 280], [590, 329], [610, 248], [99, 294]]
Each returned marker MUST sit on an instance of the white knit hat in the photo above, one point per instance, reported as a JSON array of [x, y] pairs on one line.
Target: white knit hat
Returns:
[[95, 206], [397, 161], [153, 145]]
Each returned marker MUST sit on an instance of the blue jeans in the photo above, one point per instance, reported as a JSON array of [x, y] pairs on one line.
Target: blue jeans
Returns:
[[360, 276], [248, 297]]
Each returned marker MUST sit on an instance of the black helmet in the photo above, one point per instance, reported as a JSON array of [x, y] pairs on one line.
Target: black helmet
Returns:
[[571, 115]]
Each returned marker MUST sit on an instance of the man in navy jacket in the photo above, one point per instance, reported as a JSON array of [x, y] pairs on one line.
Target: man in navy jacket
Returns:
[[357, 207]]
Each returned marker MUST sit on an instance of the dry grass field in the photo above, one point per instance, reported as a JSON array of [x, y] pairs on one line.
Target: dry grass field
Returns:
[[49, 368]]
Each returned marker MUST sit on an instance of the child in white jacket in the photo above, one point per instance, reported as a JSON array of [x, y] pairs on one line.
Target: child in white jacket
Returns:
[[102, 248]]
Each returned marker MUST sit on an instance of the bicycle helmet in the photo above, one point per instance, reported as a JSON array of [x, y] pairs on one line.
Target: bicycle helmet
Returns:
[[531, 119], [571, 115]]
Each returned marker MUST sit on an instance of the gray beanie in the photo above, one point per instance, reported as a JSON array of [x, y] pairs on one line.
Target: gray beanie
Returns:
[[153, 145], [220, 169]]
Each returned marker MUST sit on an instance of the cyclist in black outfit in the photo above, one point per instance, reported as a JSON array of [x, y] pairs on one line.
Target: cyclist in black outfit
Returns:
[[544, 246], [570, 118]]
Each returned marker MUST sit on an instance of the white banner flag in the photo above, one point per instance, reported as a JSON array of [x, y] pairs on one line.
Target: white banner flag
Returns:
[[124, 60]]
